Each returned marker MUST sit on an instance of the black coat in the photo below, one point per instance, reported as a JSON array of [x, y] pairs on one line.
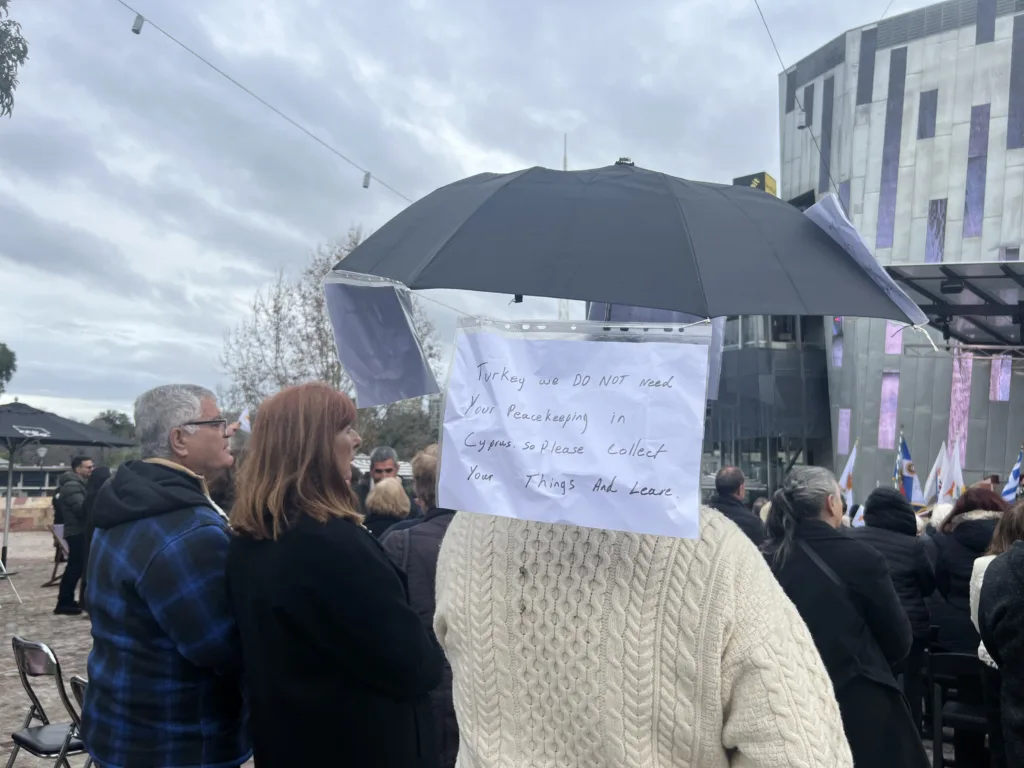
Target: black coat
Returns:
[[893, 533], [338, 664], [414, 548], [861, 631], [736, 511], [1001, 618], [955, 553]]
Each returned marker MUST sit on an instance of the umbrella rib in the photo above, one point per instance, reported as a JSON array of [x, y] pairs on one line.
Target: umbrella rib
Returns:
[[686, 229], [465, 220], [764, 238]]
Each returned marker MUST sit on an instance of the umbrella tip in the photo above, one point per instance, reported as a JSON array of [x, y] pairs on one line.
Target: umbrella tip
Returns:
[[624, 161]]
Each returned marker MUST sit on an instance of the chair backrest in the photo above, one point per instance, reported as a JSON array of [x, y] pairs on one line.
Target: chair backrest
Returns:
[[955, 665], [34, 660], [78, 685]]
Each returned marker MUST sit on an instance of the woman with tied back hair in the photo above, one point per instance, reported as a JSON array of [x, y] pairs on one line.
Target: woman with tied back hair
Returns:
[[338, 663], [1009, 529], [842, 589]]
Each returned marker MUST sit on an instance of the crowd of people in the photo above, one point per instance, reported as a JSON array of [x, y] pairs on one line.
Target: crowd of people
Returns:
[[277, 605]]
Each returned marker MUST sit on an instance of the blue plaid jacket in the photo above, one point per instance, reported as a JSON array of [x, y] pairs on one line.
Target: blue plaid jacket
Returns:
[[165, 668]]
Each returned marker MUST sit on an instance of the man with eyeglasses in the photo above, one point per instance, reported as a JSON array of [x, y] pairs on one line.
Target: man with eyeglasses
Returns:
[[165, 668]]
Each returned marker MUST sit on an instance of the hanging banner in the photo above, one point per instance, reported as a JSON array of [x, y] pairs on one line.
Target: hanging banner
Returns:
[[577, 424]]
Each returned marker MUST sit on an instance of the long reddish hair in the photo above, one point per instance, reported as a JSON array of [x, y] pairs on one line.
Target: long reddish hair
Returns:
[[290, 467], [973, 500]]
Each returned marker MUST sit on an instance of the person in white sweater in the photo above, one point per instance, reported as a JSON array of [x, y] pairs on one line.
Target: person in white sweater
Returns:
[[582, 648]]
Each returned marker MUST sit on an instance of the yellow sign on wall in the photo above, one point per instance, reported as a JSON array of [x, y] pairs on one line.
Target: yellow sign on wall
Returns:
[[758, 181]]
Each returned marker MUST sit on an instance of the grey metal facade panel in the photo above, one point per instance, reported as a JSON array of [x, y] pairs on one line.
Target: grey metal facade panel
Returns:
[[1015, 117], [986, 21], [891, 147], [866, 66], [828, 101], [791, 86], [926, 114], [808, 105], [898, 30]]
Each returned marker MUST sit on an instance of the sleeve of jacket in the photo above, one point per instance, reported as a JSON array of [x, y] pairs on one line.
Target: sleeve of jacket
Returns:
[[1001, 621], [777, 699], [185, 587], [884, 613], [380, 638]]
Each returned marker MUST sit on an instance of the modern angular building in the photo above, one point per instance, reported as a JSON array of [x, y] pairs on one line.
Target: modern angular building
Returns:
[[917, 124]]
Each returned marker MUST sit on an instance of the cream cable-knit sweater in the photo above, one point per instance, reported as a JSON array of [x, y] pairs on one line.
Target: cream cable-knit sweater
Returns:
[[580, 648]]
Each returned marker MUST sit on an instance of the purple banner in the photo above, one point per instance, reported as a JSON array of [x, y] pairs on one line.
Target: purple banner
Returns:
[[893, 338], [960, 402], [888, 409], [999, 380]]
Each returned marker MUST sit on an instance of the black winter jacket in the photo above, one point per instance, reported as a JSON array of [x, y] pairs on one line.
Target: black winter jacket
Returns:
[[736, 511], [955, 553], [892, 532], [414, 548], [1001, 618]]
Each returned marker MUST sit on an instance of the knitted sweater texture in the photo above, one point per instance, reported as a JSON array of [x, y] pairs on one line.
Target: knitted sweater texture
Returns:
[[583, 648]]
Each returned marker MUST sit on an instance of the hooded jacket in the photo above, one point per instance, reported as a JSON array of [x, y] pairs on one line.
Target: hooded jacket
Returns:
[[736, 510], [955, 553], [71, 490], [1001, 619], [164, 673], [890, 527]]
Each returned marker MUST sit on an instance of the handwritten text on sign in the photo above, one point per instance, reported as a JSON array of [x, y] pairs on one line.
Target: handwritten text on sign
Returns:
[[592, 433]]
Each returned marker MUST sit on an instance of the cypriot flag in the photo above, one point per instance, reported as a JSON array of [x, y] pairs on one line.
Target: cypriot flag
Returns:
[[846, 479], [243, 421], [934, 481]]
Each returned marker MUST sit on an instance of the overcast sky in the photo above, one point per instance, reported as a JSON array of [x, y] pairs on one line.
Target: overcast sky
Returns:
[[143, 198]]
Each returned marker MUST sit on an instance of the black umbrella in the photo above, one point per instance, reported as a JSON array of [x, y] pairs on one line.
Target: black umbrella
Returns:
[[625, 235], [21, 425]]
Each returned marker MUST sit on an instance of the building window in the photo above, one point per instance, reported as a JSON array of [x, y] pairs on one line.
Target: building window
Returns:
[[783, 328], [960, 402], [731, 335], [837, 342], [754, 331], [1009, 253], [999, 381], [812, 331], [893, 338], [888, 409], [843, 433]]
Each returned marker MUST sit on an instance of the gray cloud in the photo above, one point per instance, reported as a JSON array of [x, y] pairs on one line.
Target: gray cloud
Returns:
[[419, 91]]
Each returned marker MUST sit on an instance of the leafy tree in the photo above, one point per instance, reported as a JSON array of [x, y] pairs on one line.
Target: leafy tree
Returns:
[[13, 55], [8, 363], [116, 422], [406, 426], [287, 339]]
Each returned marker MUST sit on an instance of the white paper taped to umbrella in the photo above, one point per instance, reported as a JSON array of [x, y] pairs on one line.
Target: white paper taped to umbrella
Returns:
[[568, 423]]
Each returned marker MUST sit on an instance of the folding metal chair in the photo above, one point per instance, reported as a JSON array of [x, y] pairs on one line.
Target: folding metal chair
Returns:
[[56, 740]]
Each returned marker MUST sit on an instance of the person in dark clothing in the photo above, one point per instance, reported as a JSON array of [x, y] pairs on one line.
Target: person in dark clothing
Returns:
[[340, 664], [414, 548], [961, 538], [730, 491], [165, 668], [843, 591], [1001, 619], [890, 527], [99, 476], [71, 493], [383, 465]]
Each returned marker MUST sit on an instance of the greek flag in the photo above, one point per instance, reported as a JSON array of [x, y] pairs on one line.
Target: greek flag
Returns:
[[1010, 489]]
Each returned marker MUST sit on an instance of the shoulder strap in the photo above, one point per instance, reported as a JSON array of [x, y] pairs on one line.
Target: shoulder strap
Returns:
[[822, 565]]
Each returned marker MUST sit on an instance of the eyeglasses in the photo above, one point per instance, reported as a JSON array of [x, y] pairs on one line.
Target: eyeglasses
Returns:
[[222, 424]]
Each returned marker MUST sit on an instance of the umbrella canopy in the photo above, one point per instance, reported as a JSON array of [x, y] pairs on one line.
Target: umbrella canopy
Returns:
[[21, 424], [626, 235]]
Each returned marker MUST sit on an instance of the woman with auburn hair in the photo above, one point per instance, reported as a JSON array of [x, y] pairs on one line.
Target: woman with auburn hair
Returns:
[[338, 663]]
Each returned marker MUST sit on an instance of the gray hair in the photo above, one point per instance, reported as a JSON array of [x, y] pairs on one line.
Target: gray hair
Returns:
[[802, 496], [383, 453], [163, 409]]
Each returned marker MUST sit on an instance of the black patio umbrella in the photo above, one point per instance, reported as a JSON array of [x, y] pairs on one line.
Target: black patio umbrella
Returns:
[[21, 425], [626, 235]]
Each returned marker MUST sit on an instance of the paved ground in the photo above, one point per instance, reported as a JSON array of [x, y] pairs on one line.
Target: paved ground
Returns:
[[31, 556]]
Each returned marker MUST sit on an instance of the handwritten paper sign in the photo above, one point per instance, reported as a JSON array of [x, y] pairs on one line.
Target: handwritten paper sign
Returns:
[[602, 434]]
